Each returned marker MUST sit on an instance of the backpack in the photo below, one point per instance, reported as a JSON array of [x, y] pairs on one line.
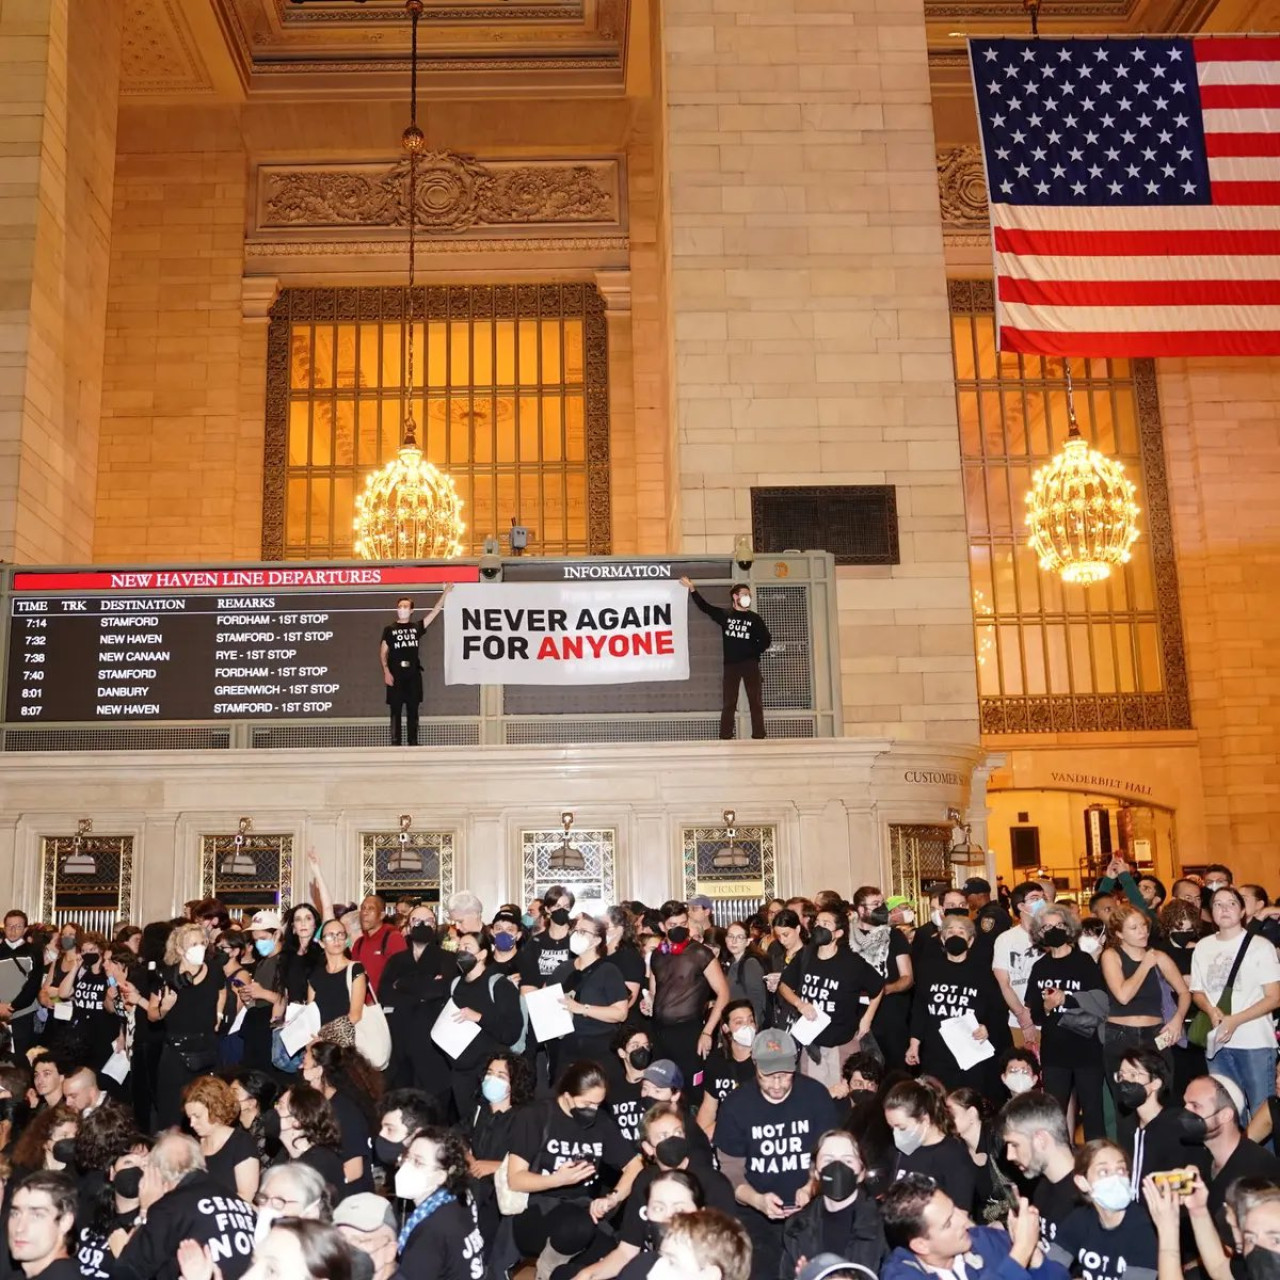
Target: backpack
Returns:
[[519, 1046]]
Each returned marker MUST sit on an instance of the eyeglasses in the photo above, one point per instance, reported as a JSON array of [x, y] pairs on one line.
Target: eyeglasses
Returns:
[[278, 1203], [334, 937]]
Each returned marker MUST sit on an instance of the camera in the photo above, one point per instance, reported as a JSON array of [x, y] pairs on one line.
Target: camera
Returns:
[[518, 538], [491, 560], [744, 555]]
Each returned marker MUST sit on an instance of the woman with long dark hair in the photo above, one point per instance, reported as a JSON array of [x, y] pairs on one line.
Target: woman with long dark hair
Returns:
[[144, 1039], [440, 1237], [621, 948], [299, 956], [353, 1088], [309, 1133], [973, 1120], [505, 1088]]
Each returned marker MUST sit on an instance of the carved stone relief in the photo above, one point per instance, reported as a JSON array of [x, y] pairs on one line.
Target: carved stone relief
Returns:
[[455, 193], [962, 189]]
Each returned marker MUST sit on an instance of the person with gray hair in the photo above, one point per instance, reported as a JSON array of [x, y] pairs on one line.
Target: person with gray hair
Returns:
[[466, 912], [180, 1201], [1035, 1139], [1071, 1062], [292, 1190]]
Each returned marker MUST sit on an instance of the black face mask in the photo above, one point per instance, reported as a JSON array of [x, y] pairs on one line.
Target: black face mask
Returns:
[[820, 936], [388, 1153], [672, 1152], [957, 911], [1182, 937], [879, 916], [465, 961], [423, 934], [1055, 937], [1262, 1264], [127, 1183], [1130, 1095], [678, 935], [91, 960], [584, 1117], [1194, 1129], [640, 1058], [838, 1181], [657, 1232], [956, 945], [64, 1151], [559, 916]]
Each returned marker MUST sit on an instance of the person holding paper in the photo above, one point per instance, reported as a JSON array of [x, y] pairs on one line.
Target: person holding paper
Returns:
[[916, 1112], [827, 976], [594, 993], [491, 1002], [952, 983]]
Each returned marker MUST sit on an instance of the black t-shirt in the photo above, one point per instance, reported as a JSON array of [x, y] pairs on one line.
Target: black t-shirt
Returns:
[[195, 1010], [745, 636], [401, 639], [776, 1139], [93, 1254], [630, 963], [597, 985], [62, 1269], [445, 1246], [722, 1075], [357, 1141], [549, 1139], [627, 1107], [1248, 1160], [238, 1148], [1074, 973], [332, 997], [949, 1164], [541, 958], [328, 1164], [842, 986], [490, 1135], [1057, 1201], [635, 1218], [88, 991], [1093, 1252]]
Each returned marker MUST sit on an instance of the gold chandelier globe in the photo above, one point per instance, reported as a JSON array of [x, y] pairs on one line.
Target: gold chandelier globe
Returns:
[[409, 510], [1081, 513]]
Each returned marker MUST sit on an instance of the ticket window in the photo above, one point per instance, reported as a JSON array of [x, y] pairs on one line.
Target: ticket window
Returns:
[[86, 880], [248, 872], [407, 864], [583, 860], [735, 866]]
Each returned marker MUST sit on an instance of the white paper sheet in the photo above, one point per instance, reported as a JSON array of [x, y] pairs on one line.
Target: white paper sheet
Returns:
[[239, 1021], [547, 1016], [807, 1030], [116, 1067], [64, 1011], [300, 1029], [453, 1037], [957, 1035], [1211, 1045]]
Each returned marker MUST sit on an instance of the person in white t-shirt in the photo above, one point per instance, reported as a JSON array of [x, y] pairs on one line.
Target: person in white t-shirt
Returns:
[[1014, 954], [1245, 1037]]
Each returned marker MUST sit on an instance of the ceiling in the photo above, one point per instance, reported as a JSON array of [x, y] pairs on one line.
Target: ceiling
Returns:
[[187, 49]]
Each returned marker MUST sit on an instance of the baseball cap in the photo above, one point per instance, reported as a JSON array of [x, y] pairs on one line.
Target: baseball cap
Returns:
[[773, 1050], [364, 1212], [822, 1265], [265, 920], [976, 884], [701, 900], [665, 1074], [897, 901]]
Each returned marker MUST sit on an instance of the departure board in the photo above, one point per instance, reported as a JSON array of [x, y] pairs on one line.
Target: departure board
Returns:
[[221, 644]]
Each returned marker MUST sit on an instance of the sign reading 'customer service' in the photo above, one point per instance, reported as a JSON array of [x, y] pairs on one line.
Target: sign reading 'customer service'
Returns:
[[566, 633]]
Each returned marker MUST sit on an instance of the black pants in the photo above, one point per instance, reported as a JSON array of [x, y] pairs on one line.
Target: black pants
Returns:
[[405, 691], [23, 1032], [766, 1243], [1086, 1079], [172, 1077], [748, 674], [679, 1042]]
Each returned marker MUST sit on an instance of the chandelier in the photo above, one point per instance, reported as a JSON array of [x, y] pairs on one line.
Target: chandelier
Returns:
[[410, 509], [1081, 510]]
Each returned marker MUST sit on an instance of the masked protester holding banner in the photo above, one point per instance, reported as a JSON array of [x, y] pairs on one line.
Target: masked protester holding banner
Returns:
[[745, 639], [402, 664]]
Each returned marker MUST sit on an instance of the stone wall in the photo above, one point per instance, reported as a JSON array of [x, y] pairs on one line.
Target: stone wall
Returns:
[[58, 91], [810, 322], [180, 468], [1222, 446]]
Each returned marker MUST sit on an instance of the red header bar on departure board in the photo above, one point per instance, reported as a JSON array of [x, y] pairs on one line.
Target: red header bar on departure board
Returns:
[[247, 579]]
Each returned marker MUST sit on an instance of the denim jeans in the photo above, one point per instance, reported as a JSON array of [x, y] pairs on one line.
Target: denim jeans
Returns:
[[1254, 1070]]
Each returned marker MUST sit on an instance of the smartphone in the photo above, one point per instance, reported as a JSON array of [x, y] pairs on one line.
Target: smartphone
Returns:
[[1181, 1181], [1163, 1040]]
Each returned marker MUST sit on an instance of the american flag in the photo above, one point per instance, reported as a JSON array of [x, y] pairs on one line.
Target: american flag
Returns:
[[1134, 188]]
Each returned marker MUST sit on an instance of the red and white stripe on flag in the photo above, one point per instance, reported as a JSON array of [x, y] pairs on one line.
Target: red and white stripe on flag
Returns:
[[1155, 279]]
